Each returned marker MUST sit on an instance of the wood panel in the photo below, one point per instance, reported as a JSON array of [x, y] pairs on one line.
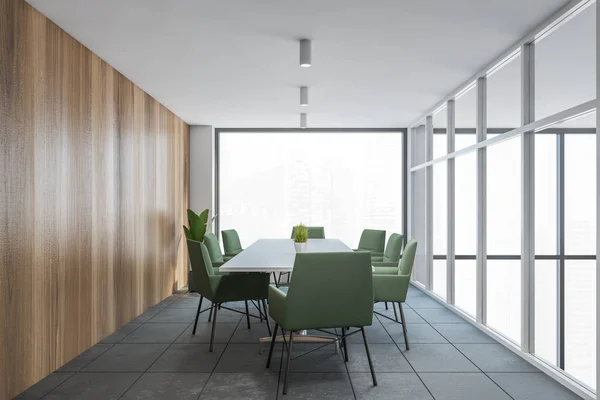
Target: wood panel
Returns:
[[93, 191]]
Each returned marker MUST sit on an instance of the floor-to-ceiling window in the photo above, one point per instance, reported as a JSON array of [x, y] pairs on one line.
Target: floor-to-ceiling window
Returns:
[[344, 181]]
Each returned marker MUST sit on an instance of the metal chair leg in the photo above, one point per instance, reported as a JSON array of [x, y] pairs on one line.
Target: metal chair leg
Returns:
[[260, 314], [247, 314], [403, 325], [364, 335], [214, 323], [344, 344], [386, 307], [264, 306], [272, 346], [287, 365], [395, 312], [197, 314], [210, 313], [275, 280]]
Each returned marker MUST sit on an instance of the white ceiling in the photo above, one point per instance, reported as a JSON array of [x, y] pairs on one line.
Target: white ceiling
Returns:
[[234, 63]]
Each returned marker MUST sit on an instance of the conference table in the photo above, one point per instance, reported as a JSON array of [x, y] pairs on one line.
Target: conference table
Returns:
[[278, 255]]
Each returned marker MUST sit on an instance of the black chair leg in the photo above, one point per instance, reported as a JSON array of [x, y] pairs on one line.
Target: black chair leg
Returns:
[[364, 335], [264, 306], [386, 307], [395, 312], [197, 314], [275, 280], [260, 314], [210, 313], [214, 323], [247, 314], [287, 364], [345, 344], [272, 345], [403, 325]]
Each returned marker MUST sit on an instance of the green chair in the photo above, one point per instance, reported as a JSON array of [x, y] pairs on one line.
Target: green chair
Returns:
[[220, 289], [214, 250], [388, 264], [372, 240], [312, 302], [231, 242], [394, 287], [314, 232]]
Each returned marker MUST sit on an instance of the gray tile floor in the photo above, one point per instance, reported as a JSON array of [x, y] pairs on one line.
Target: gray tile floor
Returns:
[[156, 357]]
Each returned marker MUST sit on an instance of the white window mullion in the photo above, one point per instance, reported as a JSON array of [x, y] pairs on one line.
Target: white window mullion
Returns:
[[429, 202], [481, 201], [450, 184]]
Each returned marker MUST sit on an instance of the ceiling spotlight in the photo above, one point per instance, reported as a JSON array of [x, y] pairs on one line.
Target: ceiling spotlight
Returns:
[[303, 96], [305, 53], [303, 121]]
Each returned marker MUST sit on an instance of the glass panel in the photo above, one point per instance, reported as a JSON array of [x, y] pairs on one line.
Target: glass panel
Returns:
[[580, 194], [466, 115], [546, 310], [465, 297], [272, 181], [545, 194], [465, 168], [439, 277], [504, 96], [565, 65], [504, 297], [580, 320], [504, 197], [440, 121], [440, 209]]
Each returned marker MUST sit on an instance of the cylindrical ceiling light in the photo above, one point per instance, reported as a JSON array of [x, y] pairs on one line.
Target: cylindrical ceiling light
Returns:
[[303, 121], [303, 96], [305, 53]]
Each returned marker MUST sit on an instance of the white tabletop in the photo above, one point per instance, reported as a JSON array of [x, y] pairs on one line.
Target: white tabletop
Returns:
[[277, 255]]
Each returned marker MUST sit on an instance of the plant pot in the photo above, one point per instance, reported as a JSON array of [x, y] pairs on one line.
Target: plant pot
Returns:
[[300, 247]]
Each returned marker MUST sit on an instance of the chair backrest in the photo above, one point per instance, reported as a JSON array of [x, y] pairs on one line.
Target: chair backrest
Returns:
[[314, 232], [214, 250], [372, 240], [201, 266], [408, 258], [330, 290], [231, 241], [393, 249]]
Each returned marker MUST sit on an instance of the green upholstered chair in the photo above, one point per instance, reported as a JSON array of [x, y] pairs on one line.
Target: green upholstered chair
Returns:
[[372, 240], [223, 288], [231, 242], [312, 302], [388, 264], [394, 287], [214, 250], [314, 232]]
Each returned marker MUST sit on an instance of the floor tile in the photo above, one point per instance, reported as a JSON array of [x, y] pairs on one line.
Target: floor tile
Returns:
[[223, 333], [167, 386], [249, 386], [532, 386], [325, 386], [244, 335], [411, 316], [174, 316], [390, 386], [423, 302], [495, 358], [417, 333], [462, 333], [94, 386], [323, 360], [145, 317], [460, 386], [85, 358], [188, 358], [189, 302], [120, 333], [127, 358], [386, 358], [44, 386], [375, 334], [440, 316], [243, 358], [438, 358], [230, 317], [156, 333]]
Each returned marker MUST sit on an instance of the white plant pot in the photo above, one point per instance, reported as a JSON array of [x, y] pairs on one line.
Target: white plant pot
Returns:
[[300, 247]]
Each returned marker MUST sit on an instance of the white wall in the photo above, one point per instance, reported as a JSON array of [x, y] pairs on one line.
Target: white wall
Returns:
[[202, 168]]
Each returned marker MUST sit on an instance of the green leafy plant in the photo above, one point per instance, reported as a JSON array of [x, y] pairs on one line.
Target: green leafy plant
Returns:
[[197, 223], [300, 233]]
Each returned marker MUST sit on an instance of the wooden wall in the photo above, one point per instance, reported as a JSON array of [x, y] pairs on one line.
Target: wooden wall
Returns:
[[93, 192]]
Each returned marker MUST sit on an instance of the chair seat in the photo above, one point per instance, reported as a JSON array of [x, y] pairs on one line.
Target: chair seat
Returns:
[[385, 270]]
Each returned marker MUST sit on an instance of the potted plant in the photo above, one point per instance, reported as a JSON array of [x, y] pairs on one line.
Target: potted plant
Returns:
[[300, 238], [199, 225]]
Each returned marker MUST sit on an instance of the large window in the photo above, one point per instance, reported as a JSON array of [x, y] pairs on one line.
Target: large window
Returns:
[[344, 181]]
